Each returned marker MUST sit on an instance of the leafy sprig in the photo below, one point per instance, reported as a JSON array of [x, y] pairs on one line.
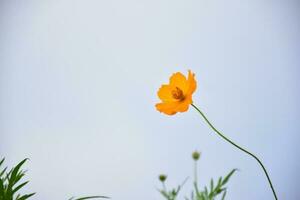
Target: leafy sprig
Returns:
[[173, 193], [10, 185], [208, 193], [90, 197], [213, 191], [10, 182]]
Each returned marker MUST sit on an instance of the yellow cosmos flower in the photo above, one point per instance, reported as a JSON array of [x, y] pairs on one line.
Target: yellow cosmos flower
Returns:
[[177, 95]]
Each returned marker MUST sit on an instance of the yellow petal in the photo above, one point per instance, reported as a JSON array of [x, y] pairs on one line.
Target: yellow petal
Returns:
[[165, 93], [180, 81], [192, 84], [166, 108], [183, 105]]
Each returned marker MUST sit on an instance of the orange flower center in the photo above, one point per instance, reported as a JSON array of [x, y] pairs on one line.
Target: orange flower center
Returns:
[[177, 94]]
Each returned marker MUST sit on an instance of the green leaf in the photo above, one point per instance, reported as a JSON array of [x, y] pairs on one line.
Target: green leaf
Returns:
[[165, 194], [26, 196], [1, 188], [196, 189], [219, 181], [224, 194], [15, 176], [19, 187], [93, 197], [211, 184], [228, 176], [2, 161], [2, 172]]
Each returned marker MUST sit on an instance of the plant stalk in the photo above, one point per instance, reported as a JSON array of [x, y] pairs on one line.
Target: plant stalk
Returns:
[[195, 172], [240, 148]]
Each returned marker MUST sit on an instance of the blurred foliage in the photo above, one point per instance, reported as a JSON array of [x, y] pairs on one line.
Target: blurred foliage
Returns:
[[10, 184], [213, 191], [208, 193], [90, 197]]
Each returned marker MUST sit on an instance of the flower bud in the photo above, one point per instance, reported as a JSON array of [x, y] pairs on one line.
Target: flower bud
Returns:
[[196, 155], [162, 177]]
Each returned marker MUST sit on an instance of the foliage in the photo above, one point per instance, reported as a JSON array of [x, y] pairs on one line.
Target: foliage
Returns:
[[90, 197], [214, 190], [172, 194], [208, 193], [10, 182]]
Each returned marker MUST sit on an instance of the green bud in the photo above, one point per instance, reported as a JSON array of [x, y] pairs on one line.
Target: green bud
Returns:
[[162, 177], [196, 155]]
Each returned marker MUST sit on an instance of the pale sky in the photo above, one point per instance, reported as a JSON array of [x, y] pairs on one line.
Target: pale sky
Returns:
[[78, 83]]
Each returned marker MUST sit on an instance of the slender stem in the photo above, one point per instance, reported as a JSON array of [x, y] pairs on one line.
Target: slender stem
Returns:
[[195, 171], [240, 148], [164, 186]]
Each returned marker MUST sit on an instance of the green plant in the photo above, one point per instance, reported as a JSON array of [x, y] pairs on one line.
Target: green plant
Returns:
[[214, 190], [10, 186], [10, 182], [171, 194], [90, 197], [208, 193]]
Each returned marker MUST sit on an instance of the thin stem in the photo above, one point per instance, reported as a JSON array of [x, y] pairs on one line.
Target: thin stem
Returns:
[[164, 186], [195, 172], [240, 148]]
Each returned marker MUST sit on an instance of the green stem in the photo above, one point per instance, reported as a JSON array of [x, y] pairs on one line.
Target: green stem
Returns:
[[240, 148], [195, 171], [164, 186]]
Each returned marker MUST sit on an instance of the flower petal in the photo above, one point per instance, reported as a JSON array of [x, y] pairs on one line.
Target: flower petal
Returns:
[[192, 84], [171, 108], [184, 105], [165, 93], [180, 81], [166, 108]]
